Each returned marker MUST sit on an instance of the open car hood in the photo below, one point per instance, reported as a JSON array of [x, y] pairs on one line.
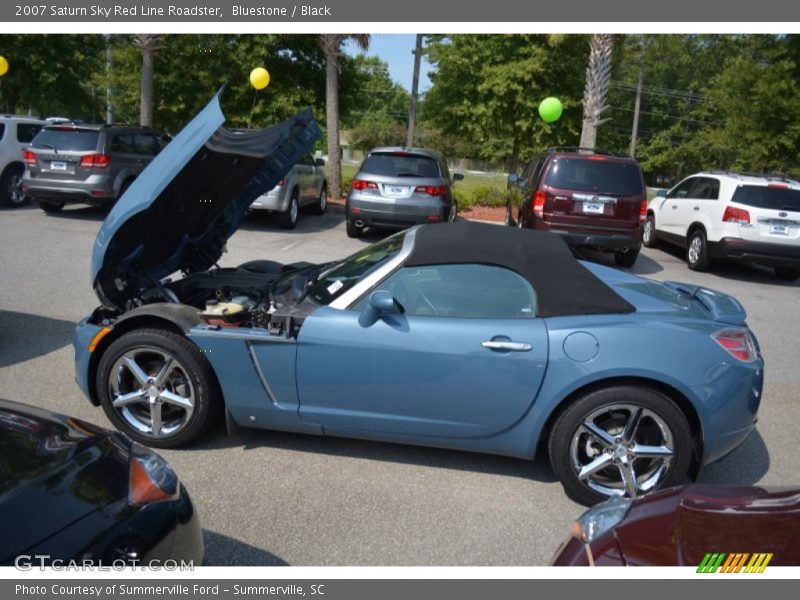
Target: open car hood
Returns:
[[179, 213]]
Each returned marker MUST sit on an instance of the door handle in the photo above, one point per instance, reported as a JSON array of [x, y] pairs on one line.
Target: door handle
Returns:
[[508, 346], [674, 207], [697, 208]]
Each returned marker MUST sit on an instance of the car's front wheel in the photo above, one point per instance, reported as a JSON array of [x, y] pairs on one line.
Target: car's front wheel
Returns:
[[620, 441], [11, 193], [697, 251], [353, 230], [157, 387]]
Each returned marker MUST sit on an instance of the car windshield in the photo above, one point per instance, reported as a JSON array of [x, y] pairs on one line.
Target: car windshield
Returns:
[[596, 175], [337, 281], [775, 198], [66, 138], [400, 164]]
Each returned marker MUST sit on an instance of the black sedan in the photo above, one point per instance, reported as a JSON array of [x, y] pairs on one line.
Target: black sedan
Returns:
[[72, 491]]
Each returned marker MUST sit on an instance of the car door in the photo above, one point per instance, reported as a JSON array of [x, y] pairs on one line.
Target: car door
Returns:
[[464, 359], [675, 210]]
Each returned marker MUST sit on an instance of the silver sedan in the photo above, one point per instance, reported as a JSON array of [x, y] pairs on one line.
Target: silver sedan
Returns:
[[304, 185]]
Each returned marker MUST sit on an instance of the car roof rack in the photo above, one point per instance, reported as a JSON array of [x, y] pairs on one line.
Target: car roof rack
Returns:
[[585, 149], [769, 176]]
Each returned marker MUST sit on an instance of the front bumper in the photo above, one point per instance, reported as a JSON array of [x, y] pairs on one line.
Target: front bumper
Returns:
[[762, 253]]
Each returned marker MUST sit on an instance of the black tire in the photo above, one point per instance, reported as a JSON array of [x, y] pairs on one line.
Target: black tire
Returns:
[[50, 206], [509, 222], [649, 239], [697, 251], [452, 214], [10, 193], [571, 445], [353, 231], [626, 259], [321, 204], [787, 273], [150, 348], [289, 218]]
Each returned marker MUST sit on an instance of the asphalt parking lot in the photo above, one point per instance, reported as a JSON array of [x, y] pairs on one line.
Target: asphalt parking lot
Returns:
[[269, 498]]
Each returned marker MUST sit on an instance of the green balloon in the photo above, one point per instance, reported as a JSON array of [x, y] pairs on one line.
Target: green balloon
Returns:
[[550, 109]]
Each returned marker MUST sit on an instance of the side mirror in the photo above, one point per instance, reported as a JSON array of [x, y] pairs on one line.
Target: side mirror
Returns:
[[457, 176], [661, 193], [319, 162], [380, 303], [512, 178]]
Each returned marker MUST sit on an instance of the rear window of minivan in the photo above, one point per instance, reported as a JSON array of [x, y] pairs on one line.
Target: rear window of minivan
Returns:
[[761, 196], [397, 164], [596, 175], [63, 138]]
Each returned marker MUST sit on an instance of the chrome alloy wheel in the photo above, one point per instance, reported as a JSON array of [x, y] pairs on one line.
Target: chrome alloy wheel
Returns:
[[451, 217], [695, 249], [648, 231], [294, 208], [622, 450], [151, 391]]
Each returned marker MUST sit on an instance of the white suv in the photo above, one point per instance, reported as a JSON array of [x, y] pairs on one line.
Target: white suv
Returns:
[[16, 132], [730, 216]]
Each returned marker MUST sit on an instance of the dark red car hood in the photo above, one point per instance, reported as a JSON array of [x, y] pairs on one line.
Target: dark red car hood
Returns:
[[679, 526]]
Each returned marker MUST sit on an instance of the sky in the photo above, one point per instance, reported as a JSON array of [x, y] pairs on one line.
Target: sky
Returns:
[[398, 51]]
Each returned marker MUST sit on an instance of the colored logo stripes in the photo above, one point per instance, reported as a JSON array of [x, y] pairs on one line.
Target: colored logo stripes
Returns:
[[734, 562]]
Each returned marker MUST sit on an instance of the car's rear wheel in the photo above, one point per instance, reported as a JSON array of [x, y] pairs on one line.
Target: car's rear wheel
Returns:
[[620, 441], [509, 220], [157, 387], [11, 193], [353, 230], [322, 202], [649, 239], [50, 206], [626, 259], [452, 214], [697, 251], [787, 273], [289, 218]]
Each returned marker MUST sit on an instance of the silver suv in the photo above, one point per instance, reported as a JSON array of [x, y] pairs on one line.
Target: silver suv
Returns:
[[304, 185], [400, 187], [16, 132], [86, 164]]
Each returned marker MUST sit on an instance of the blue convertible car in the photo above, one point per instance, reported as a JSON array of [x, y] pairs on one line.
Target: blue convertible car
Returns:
[[462, 335]]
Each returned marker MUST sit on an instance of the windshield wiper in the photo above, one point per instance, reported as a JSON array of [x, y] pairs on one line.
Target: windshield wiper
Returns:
[[316, 273], [40, 145]]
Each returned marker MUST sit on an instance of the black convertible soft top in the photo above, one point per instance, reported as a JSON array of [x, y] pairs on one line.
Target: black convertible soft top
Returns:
[[563, 286]]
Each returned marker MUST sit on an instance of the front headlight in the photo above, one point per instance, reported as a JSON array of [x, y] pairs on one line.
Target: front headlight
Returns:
[[601, 518]]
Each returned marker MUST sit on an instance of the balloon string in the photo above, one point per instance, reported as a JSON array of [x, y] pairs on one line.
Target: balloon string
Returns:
[[252, 108]]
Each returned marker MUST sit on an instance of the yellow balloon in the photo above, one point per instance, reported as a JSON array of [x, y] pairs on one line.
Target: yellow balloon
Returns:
[[259, 78], [3, 66]]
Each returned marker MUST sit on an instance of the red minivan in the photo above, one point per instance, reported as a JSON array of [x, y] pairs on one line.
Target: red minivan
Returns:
[[592, 198]]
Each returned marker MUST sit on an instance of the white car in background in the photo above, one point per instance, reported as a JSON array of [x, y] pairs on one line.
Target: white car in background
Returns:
[[730, 216], [16, 132], [304, 185]]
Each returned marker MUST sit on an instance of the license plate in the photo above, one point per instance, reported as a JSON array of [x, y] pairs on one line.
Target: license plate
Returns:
[[595, 208], [394, 190], [58, 165], [779, 229]]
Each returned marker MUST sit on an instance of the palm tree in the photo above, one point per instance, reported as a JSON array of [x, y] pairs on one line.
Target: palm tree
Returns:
[[332, 47], [598, 76], [149, 44]]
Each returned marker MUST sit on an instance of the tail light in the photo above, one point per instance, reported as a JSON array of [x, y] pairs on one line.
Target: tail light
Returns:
[[151, 478], [596, 157], [281, 183], [95, 161], [643, 211], [360, 184], [538, 204], [29, 158], [431, 190], [736, 215], [739, 343]]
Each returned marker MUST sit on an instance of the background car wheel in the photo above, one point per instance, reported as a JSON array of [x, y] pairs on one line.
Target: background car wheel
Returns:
[[353, 231], [626, 259], [10, 193], [157, 387], [509, 220], [322, 202], [289, 218], [649, 232], [697, 251], [50, 207], [620, 440], [787, 273], [452, 215]]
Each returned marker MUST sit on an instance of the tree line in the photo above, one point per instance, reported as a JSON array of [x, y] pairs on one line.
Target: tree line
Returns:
[[706, 101]]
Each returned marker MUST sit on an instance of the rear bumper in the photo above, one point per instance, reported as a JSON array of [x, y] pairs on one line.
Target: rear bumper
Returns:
[[763, 253], [602, 241], [79, 194], [396, 213]]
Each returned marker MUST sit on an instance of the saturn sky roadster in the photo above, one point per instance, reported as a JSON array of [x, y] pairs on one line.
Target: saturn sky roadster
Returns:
[[466, 336]]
